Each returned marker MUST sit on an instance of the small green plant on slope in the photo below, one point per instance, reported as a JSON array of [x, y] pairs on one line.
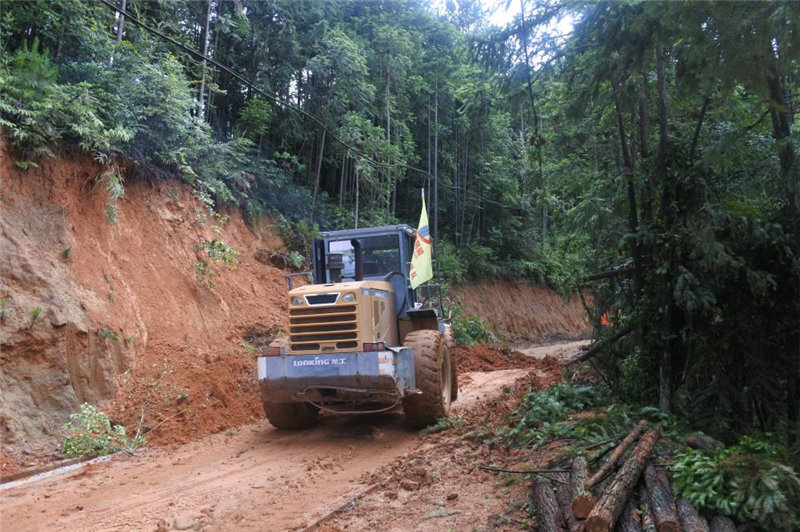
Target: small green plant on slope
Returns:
[[445, 423], [113, 182], [217, 251], [35, 313], [4, 302], [748, 481], [91, 433], [471, 330]]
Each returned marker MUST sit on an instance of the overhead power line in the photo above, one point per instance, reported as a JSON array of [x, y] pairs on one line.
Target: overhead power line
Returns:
[[199, 55]]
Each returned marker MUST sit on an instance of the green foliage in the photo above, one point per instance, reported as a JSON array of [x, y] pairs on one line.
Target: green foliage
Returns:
[[5, 301], [217, 251], [541, 415], [469, 330], [91, 432], [108, 334], [445, 423], [113, 182], [749, 481], [38, 111]]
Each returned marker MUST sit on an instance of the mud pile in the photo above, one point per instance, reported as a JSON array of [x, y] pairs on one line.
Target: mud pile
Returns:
[[113, 313]]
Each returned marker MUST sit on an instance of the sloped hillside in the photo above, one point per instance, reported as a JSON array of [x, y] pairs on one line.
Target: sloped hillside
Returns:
[[523, 311], [114, 313]]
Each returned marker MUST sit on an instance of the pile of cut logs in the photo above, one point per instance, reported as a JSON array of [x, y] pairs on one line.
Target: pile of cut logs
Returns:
[[599, 502]]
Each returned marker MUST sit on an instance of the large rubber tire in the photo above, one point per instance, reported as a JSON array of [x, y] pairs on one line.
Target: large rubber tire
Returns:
[[291, 416], [433, 377], [451, 347]]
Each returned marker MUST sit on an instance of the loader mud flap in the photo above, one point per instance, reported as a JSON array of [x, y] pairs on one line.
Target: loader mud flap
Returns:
[[295, 378]]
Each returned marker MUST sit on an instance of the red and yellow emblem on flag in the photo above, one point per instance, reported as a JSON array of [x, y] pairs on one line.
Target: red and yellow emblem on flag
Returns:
[[421, 259]]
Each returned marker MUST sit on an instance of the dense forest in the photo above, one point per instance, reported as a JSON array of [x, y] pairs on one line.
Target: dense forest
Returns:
[[647, 150]]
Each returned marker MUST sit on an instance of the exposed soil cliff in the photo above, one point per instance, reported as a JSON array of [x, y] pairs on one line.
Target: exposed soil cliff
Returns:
[[97, 311], [523, 311]]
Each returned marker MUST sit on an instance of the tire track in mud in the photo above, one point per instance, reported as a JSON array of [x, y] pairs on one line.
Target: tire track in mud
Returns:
[[253, 478]]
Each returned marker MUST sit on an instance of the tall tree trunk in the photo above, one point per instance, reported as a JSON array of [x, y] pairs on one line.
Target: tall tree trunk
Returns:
[[342, 175], [436, 173], [644, 146], [319, 173], [781, 115], [627, 161], [201, 94], [668, 206], [356, 214], [121, 21]]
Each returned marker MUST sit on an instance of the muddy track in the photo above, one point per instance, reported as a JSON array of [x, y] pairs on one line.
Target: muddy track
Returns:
[[253, 478]]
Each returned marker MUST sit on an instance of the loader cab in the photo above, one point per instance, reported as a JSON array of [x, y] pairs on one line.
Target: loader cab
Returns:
[[371, 254]]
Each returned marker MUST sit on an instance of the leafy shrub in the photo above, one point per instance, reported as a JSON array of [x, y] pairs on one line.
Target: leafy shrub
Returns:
[[217, 251], [471, 330], [746, 481], [39, 111], [91, 432], [445, 423], [542, 416]]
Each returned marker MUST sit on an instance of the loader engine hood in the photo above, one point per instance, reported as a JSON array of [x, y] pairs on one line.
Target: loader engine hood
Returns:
[[341, 317]]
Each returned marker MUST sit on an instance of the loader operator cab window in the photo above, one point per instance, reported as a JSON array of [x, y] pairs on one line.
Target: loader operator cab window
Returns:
[[380, 255]]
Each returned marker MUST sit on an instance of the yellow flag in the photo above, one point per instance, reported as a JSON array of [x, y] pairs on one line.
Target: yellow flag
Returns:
[[421, 261]]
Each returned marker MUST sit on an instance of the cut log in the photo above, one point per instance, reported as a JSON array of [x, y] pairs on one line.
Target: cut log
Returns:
[[582, 499], [629, 520], [660, 498], [648, 521], [690, 518], [615, 459], [605, 513], [564, 499], [548, 512], [722, 523]]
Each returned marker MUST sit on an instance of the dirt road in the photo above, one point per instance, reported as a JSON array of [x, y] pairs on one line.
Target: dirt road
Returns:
[[254, 478]]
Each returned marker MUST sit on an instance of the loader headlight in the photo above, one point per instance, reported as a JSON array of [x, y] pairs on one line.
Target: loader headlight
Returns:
[[297, 301], [348, 297]]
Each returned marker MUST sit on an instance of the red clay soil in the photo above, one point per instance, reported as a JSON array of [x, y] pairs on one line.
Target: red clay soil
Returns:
[[125, 323], [487, 357], [523, 311]]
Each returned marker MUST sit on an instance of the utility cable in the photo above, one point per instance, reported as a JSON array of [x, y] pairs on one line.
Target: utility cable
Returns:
[[282, 103]]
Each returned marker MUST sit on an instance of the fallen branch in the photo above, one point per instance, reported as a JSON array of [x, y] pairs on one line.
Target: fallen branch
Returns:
[[615, 459], [523, 472], [608, 274], [608, 509], [599, 346]]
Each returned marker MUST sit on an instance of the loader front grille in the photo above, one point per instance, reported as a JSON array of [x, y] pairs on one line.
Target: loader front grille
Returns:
[[311, 329]]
